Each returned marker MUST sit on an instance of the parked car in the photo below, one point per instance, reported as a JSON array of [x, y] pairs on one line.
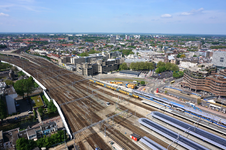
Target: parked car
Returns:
[[30, 112]]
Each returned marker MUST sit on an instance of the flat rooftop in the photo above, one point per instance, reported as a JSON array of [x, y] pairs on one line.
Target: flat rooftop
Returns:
[[38, 101]]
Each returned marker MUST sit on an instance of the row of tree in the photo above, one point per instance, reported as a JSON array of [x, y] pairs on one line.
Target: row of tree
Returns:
[[161, 67], [142, 66], [218, 47], [138, 66], [25, 144]]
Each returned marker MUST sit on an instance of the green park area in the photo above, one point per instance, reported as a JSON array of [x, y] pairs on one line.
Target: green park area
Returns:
[[37, 101]]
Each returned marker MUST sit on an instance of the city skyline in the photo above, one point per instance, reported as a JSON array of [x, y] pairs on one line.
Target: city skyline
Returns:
[[160, 17]]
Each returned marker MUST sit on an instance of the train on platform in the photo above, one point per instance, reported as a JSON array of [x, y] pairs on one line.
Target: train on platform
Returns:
[[195, 111], [115, 87]]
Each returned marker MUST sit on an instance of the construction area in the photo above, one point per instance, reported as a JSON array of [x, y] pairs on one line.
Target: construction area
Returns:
[[104, 118]]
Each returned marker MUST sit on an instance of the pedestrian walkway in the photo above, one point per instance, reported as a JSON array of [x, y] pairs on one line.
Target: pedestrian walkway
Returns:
[[39, 117]]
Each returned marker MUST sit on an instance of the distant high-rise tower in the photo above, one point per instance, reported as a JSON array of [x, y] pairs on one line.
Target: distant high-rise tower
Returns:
[[113, 39], [199, 45], [126, 37]]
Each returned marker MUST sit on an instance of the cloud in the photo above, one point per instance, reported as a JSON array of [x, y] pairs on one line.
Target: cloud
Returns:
[[185, 13], [192, 12], [30, 5], [166, 16], [213, 17], [2, 14]]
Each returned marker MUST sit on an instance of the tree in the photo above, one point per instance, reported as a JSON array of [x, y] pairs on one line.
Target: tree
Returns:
[[178, 55], [53, 139], [168, 66], [25, 144], [182, 56], [132, 66], [123, 66], [24, 86], [157, 70], [160, 64], [142, 83], [165, 92], [19, 87], [51, 107], [141, 65], [9, 82], [41, 142], [3, 111], [178, 74], [41, 110], [34, 112], [194, 55], [29, 85], [175, 68], [151, 66]]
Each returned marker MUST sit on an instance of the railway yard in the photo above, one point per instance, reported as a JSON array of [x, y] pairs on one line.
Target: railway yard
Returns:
[[95, 124]]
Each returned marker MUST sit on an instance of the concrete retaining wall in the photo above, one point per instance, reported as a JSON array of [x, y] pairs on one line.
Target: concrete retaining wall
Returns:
[[62, 117], [46, 95]]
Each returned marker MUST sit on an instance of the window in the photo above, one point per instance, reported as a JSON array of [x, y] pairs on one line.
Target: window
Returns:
[[222, 59]]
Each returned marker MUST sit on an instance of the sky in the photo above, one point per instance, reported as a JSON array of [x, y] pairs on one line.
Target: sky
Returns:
[[114, 16]]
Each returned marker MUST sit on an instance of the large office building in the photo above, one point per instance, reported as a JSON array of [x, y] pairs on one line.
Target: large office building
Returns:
[[93, 64], [205, 78], [113, 39], [98, 67], [87, 59], [219, 59]]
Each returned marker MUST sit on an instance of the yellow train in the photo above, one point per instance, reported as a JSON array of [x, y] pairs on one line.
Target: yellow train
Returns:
[[113, 88]]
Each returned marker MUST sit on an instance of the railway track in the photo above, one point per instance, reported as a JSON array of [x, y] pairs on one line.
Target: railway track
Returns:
[[129, 125], [81, 145], [74, 114], [79, 113]]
